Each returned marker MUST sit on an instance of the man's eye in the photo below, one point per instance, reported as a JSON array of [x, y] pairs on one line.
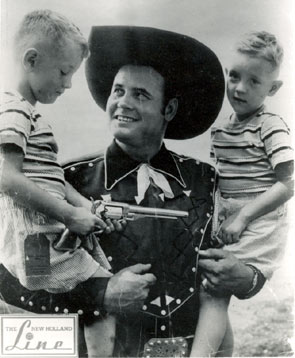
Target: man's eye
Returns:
[[141, 96], [62, 73], [118, 91]]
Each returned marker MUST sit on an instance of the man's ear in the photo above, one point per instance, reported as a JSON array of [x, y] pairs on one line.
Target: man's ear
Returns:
[[276, 85], [171, 109], [30, 59]]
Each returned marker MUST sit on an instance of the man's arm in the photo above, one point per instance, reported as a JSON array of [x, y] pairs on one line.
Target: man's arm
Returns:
[[226, 274], [123, 292]]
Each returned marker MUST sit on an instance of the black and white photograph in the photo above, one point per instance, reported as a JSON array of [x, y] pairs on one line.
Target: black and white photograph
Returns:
[[146, 178]]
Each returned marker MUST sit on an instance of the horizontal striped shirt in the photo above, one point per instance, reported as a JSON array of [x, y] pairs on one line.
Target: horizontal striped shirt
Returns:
[[22, 125], [247, 152]]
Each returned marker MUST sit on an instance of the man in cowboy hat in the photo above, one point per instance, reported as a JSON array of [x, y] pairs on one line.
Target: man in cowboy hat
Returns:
[[154, 84]]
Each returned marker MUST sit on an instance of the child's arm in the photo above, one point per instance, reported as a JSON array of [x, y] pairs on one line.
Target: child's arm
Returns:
[[277, 195], [25, 192], [75, 198]]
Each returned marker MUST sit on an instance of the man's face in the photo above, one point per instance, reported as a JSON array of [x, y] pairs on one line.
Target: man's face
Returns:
[[249, 81], [135, 106]]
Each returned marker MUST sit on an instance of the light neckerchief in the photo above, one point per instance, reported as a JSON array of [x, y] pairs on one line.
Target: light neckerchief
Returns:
[[144, 173]]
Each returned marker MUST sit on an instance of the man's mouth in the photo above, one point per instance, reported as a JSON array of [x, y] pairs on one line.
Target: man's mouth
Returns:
[[125, 119]]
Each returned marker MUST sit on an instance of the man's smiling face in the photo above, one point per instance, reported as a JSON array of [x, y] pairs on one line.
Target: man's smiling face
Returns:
[[135, 106]]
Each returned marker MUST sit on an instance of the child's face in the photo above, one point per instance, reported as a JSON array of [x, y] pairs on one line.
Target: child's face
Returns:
[[52, 73], [249, 81]]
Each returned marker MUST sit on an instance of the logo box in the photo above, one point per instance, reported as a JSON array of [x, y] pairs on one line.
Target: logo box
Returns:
[[38, 335]]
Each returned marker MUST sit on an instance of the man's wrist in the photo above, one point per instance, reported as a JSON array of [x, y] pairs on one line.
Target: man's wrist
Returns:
[[257, 283], [95, 288]]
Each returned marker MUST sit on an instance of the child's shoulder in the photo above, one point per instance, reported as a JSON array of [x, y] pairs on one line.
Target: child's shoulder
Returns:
[[271, 120], [12, 101]]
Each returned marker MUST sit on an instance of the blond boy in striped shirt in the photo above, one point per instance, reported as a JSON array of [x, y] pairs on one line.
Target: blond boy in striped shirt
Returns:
[[35, 200], [253, 154]]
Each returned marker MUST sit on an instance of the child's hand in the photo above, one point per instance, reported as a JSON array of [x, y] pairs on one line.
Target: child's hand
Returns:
[[231, 228], [113, 225], [82, 221]]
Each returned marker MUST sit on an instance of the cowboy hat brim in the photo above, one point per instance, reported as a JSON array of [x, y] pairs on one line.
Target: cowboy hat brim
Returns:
[[192, 69]]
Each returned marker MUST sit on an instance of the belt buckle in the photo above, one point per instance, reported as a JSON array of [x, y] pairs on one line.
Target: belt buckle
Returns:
[[166, 347]]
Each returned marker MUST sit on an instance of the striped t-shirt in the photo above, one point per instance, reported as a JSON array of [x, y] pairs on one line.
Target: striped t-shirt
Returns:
[[20, 124], [247, 152]]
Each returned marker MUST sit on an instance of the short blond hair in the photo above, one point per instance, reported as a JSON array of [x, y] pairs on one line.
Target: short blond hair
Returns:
[[44, 25], [262, 44]]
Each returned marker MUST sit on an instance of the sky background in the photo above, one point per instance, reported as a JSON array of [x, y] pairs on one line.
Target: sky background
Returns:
[[81, 127]]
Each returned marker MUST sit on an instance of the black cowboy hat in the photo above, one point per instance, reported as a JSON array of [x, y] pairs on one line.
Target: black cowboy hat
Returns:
[[191, 69]]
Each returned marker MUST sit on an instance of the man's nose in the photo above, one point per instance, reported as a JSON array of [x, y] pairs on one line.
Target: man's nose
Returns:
[[125, 101]]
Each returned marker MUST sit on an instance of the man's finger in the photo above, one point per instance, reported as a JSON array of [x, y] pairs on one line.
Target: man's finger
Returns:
[[209, 265], [149, 278], [214, 254], [139, 268]]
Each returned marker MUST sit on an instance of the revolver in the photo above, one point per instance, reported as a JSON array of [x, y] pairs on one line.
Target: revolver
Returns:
[[119, 211]]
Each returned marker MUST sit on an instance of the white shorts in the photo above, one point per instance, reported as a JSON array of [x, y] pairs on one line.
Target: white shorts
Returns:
[[263, 242]]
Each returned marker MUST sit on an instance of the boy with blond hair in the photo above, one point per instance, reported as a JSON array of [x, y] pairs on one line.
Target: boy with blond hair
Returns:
[[254, 157], [35, 200]]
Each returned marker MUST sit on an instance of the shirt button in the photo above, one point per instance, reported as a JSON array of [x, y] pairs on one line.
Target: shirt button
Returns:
[[178, 301], [43, 308], [110, 258], [56, 309], [163, 312], [72, 169], [191, 289], [163, 328], [80, 312], [194, 269], [66, 311], [96, 313], [144, 307], [31, 303], [90, 165], [22, 298]]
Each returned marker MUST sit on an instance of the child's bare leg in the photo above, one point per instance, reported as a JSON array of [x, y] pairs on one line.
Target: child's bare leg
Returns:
[[212, 325], [100, 337], [227, 346]]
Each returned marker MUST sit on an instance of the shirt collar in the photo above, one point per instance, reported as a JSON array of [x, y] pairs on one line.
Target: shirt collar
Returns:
[[118, 165]]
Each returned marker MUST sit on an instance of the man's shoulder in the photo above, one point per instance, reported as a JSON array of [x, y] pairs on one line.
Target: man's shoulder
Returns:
[[83, 161], [192, 164]]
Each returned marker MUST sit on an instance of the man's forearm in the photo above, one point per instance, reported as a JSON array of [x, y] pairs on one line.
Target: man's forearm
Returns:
[[257, 281]]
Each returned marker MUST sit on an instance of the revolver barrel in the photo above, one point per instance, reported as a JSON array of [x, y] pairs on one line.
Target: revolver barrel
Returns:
[[117, 210]]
